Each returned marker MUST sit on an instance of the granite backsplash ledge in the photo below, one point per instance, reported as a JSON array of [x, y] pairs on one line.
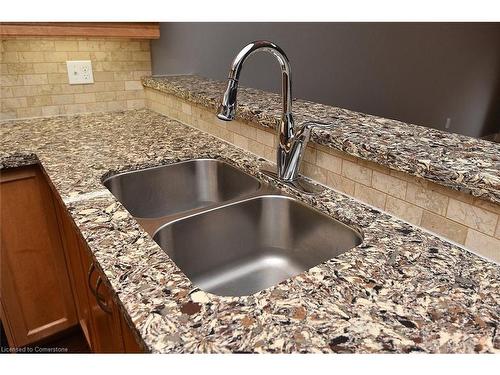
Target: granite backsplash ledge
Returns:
[[456, 161]]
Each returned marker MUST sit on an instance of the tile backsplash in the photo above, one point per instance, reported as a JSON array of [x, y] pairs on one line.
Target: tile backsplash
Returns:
[[34, 79]]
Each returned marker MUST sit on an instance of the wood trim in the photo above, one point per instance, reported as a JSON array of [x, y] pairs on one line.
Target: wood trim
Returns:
[[130, 342], [17, 174], [134, 30], [6, 327], [72, 254]]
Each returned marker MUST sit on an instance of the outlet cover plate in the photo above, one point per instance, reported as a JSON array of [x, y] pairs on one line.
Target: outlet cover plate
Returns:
[[80, 72]]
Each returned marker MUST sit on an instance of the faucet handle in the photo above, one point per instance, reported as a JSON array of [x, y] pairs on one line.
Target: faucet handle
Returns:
[[304, 131], [317, 124]]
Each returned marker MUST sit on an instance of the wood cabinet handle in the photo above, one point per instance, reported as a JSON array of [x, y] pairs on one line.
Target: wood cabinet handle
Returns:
[[100, 300], [89, 277]]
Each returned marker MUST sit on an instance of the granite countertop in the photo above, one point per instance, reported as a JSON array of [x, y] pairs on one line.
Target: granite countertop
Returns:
[[401, 290], [456, 161]]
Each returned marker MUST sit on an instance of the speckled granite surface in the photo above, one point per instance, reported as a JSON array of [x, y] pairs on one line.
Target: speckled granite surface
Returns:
[[401, 290], [452, 160]]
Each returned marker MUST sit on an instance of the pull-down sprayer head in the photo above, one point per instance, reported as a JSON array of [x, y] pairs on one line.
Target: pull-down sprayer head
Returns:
[[227, 108]]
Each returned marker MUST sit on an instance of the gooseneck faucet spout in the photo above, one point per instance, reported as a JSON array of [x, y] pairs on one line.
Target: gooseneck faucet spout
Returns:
[[292, 139]]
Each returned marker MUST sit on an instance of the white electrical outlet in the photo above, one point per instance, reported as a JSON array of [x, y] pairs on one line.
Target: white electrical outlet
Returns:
[[80, 72]]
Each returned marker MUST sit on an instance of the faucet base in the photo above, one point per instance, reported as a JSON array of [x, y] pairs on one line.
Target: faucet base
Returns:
[[300, 184]]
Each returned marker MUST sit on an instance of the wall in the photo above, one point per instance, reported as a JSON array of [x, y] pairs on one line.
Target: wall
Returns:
[[34, 80], [418, 73], [468, 221]]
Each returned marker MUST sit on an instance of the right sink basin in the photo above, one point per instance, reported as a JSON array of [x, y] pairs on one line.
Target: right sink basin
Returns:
[[241, 248]]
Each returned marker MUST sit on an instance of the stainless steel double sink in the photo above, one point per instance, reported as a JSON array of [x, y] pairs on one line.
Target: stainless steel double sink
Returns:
[[230, 234]]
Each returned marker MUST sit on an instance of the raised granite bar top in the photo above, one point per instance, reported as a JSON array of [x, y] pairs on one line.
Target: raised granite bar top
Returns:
[[401, 290], [456, 161]]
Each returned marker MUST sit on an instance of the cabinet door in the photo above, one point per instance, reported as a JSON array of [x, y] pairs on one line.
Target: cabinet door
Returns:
[[77, 274], [105, 314], [130, 343], [34, 285]]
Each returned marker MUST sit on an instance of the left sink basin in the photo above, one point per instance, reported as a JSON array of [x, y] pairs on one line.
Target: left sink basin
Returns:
[[172, 189]]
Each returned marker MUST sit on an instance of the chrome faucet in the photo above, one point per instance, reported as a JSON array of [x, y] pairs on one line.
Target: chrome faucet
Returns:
[[292, 139]]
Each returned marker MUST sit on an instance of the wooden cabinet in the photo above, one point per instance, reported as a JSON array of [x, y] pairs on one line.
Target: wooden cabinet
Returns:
[[78, 274], [99, 316], [35, 293], [130, 343], [48, 279], [105, 314]]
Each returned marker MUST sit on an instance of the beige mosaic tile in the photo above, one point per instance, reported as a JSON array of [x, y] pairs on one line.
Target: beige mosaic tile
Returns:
[[341, 183], [474, 217], [357, 172], [404, 210], [315, 172], [388, 184], [36, 80], [441, 225], [329, 162], [483, 244], [425, 198], [370, 196]]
